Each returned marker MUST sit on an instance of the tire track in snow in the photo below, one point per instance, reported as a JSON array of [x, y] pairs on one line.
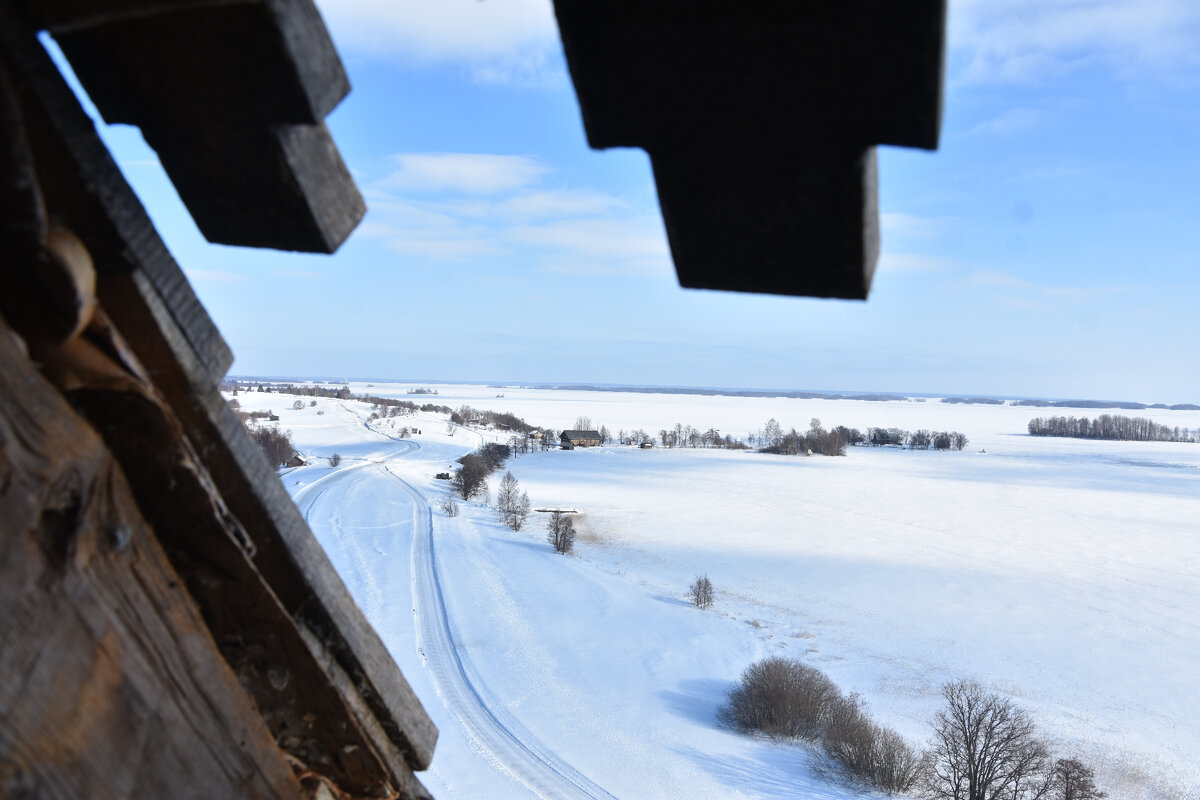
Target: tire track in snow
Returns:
[[507, 744]]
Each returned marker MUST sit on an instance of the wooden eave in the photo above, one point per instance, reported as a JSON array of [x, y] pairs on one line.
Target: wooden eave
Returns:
[[761, 120], [169, 481]]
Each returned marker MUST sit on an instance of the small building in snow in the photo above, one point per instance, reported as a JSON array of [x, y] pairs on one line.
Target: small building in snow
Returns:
[[569, 440]]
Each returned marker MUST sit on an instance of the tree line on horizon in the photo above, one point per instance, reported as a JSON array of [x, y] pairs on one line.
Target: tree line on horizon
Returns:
[[1110, 427]]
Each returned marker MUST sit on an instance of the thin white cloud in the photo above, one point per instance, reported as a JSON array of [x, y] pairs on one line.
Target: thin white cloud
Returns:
[[296, 273], [1029, 40], [899, 223], [477, 209], [498, 41], [912, 263], [213, 276], [1008, 123], [621, 239], [1002, 281], [460, 247], [468, 173]]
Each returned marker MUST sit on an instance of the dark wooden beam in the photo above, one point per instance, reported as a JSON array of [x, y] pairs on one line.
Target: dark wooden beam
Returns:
[[112, 684], [760, 120], [233, 97], [152, 305]]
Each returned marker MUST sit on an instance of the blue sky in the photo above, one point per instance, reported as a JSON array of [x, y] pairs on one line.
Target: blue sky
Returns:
[[1049, 248]]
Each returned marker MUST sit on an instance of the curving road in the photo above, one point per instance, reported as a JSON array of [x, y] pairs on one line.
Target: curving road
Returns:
[[502, 739]]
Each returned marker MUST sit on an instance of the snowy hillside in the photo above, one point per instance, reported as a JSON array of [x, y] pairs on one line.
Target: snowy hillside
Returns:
[[1062, 573]]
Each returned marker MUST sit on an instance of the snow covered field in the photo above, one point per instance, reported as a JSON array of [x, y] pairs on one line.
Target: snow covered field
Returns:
[[1063, 573]]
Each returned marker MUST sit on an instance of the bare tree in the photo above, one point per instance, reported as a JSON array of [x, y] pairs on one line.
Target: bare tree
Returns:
[[701, 592], [506, 496], [520, 512], [985, 748], [1073, 780], [561, 532], [449, 506], [298, 405], [512, 508], [583, 423], [471, 478]]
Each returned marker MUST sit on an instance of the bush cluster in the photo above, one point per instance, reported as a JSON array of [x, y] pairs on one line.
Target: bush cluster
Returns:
[[783, 698], [276, 444], [701, 592]]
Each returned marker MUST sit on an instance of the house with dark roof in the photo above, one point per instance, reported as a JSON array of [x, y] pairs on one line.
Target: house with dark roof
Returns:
[[569, 440]]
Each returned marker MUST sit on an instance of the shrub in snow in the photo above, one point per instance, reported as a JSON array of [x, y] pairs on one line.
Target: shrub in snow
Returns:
[[874, 755], [782, 698], [561, 530], [449, 506], [701, 592], [334, 460]]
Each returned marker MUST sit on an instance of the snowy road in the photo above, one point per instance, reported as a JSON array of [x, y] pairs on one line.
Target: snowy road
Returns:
[[501, 738]]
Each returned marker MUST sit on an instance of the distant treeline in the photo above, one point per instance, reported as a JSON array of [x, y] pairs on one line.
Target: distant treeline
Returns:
[[723, 392], [984, 401], [465, 415], [1109, 426], [1105, 404], [387, 406], [684, 436]]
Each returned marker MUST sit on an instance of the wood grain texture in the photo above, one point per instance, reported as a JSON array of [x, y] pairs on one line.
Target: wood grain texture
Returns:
[[113, 687]]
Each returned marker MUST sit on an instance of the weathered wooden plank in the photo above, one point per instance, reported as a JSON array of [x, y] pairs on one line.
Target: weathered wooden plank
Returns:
[[91, 197], [232, 97], [271, 60], [308, 713], [112, 687], [760, 120], [142, 288], [284, 186]]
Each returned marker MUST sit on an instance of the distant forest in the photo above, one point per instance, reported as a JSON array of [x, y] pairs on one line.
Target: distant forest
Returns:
[[1109, 426]]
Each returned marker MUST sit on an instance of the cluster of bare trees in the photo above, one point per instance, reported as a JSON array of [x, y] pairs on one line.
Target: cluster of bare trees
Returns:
[[984, 747], [276, 444], [687, 436], [465, 415], [773, 439], [921, 439], [470, 479], [701, 592], [560, 532], [1111, 426], [512, 504]]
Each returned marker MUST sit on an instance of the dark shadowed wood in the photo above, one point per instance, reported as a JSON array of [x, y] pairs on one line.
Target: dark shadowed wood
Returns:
[[90, 196], [151, 303], [760, 120], [113, 687], [233, 98]]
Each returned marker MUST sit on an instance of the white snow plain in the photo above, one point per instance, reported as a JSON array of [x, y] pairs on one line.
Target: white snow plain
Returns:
[[1062, 573]]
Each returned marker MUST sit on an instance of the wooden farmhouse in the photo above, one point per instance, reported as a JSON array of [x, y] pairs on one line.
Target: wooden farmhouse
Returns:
[[169, 626], [572, 439]]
